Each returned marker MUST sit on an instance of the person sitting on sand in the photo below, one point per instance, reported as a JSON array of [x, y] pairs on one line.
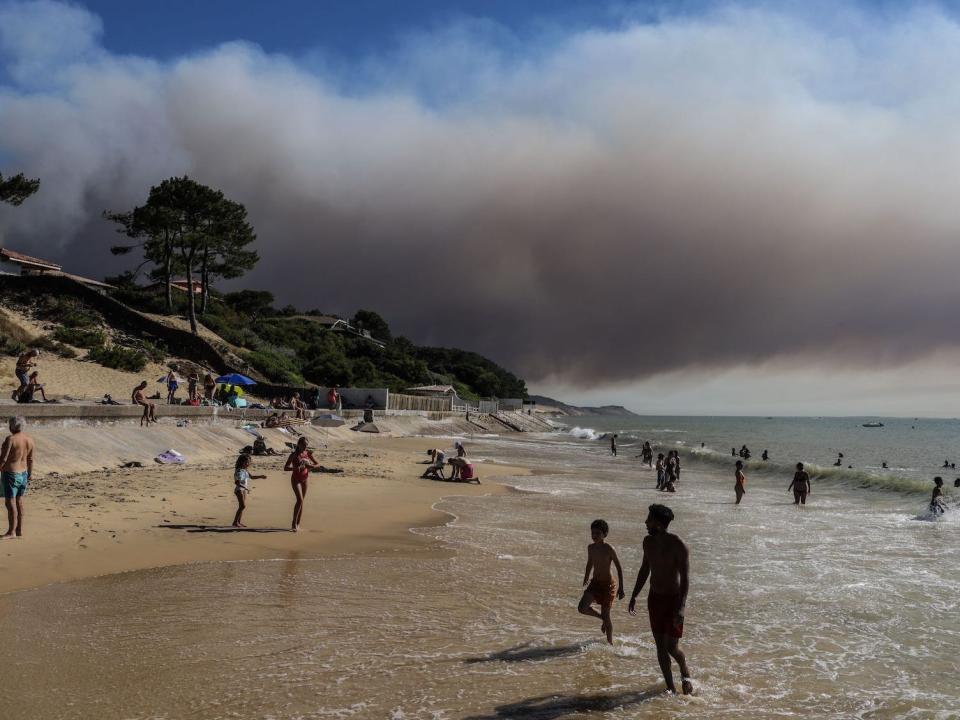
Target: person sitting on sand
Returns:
[[260, 448], [299, 463], [936, 500], [16, 469], [602, 589], [272, 421], [32, 387], [26, 361], [740, 482], [666, 561], [800, 485], [435, 471], [241, 482], [149, 408], [298, 406]]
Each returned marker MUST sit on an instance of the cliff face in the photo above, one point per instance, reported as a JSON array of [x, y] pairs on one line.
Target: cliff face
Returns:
[[545, 404]]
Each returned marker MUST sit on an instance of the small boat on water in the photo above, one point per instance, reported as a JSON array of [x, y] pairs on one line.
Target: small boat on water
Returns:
[[873, 424]]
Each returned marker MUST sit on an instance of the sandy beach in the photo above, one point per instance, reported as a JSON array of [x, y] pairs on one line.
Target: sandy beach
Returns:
[[80, 525]]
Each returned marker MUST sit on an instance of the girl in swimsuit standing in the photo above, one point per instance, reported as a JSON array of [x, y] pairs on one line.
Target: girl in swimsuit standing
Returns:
[[738, 486], [300, 463]]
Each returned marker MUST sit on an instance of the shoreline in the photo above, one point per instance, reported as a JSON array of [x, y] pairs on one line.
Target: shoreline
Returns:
[[91, 524]]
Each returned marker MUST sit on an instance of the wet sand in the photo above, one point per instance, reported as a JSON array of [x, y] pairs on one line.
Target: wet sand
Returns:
[[121, 520]]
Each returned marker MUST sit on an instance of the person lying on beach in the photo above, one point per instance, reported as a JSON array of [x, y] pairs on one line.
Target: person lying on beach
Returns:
[[241, 482], [740, 482], [666, 561], [800, 486], [299, 464], [936, 500], [149, 408], [435, 471], [602, 589]]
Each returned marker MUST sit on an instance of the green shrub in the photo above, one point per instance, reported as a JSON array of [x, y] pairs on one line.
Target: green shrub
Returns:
[[45, 343], [12, 346], [154, 352], [118, 358], [80, 338], [275, 366]]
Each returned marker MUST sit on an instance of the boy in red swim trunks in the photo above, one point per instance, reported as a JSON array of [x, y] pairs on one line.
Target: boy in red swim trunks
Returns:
[[666, 562], [602, 589]]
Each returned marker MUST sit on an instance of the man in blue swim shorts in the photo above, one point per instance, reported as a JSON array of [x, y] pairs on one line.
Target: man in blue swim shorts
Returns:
[[16, 467]]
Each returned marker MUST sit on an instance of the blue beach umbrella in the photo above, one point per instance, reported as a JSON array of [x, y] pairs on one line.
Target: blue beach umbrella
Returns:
[[235, 379]]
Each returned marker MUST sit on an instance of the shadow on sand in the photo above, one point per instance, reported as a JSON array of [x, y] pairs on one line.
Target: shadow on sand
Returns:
[[525, 653], [222, 529], [551, 707]]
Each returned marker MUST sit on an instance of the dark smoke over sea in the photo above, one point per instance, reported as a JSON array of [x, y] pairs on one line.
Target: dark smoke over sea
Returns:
[[702, 192]]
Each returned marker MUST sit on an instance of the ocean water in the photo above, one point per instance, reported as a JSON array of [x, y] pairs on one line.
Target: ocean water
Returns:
[[914, 449], [846, 608]]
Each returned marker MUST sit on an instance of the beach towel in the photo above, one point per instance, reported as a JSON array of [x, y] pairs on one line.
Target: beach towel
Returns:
[[170, 457]]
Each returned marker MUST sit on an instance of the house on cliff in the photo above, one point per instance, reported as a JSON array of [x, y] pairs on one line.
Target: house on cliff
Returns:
[[16, 263]]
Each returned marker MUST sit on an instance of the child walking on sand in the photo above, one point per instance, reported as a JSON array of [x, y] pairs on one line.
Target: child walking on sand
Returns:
[[241, 480], [602, 588]]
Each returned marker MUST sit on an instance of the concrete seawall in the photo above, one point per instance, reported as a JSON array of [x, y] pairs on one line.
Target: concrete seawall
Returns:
[[75, 444]]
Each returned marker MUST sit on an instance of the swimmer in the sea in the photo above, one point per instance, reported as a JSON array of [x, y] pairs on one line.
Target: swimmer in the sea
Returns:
[[765, 456], [936, 500], [741, 480], [800, 486], [603, 589]]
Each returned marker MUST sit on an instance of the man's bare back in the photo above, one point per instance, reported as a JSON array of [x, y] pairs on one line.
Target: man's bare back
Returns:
[[16, 453]]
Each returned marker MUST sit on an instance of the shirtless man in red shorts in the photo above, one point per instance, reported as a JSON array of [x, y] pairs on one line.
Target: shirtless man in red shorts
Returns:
[[666, 562], [602, 589]]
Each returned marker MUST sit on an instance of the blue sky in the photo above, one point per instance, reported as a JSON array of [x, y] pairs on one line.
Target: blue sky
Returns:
[[344, 29], [661, 201]]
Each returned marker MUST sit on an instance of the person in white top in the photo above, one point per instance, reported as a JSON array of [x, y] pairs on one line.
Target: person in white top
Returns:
[[241, 481]]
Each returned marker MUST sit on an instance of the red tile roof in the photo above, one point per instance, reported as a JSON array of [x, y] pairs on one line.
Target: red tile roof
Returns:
[[22, 259]]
